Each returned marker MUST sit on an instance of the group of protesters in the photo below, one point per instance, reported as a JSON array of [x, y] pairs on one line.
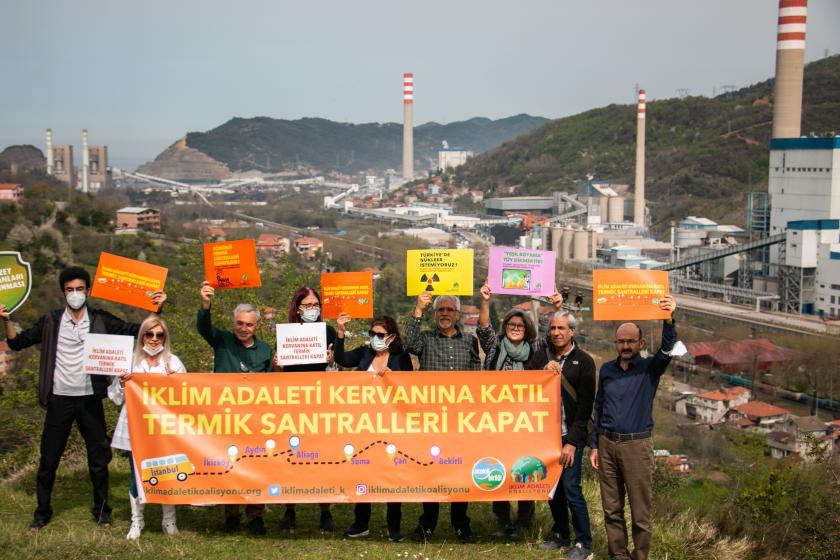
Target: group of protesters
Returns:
[[619, 433]]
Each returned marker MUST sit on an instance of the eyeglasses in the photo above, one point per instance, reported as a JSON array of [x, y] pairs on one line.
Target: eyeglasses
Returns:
[[310, 306], [154, 335], [379, 335], [446, 310], [516, 326]]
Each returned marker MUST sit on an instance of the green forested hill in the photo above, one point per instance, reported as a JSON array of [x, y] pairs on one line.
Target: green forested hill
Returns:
[[702, 154], [270, 144]]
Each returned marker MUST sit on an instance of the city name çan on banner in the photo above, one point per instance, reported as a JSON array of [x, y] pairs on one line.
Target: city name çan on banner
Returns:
[[349, 437]]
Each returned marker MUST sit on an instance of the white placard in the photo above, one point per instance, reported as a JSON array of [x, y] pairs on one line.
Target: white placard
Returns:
[[301, 343], [108, 354]]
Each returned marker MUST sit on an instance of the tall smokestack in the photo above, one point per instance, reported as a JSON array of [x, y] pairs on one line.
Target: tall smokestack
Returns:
[[85, 162], [50, 158], [408, 126], [790, 62], [639, 199]]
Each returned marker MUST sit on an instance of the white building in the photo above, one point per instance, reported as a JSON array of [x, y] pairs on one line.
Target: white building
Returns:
[[711, 407], [827, 285], [449, 158]]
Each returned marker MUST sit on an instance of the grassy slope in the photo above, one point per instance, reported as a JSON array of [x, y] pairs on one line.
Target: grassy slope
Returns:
[[72, 534]]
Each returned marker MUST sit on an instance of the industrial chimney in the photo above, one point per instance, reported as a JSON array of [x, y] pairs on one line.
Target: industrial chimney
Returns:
[[790, 61], [49, 152], [85, 162], [408, 126], [639, 199]]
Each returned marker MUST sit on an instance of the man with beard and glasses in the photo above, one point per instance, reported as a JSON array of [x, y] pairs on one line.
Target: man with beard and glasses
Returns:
[[622, 448], [446, 348]]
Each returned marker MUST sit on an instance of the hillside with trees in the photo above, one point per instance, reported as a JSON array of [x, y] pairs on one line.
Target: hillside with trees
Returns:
[[703, 154]]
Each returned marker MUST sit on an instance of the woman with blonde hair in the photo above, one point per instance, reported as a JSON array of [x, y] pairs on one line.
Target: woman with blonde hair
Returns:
[[152, 354]]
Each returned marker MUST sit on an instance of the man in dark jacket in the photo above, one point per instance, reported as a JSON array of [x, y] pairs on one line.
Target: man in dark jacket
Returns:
[[66, 392], [558, 352]]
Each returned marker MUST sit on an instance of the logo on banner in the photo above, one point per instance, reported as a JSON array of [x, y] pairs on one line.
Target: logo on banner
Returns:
[[488, 473], [361, 490], [15, 280], [528, 469]]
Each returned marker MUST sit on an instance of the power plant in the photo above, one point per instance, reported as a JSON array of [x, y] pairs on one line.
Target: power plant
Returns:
[[94, 174]]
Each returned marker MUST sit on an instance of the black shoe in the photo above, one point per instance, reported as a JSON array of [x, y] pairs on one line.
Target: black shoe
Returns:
[[465, 535], [39, 522], [356, 531], [104, 519], [395, 536], [503, 528], [554, 542], [288, 521], [327, 523], [256, 526], [231, 524], [421, 534]]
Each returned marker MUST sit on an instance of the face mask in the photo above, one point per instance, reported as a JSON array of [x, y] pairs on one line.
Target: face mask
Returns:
[[378, 344], [153, 351], [76, 300], [310, 315]]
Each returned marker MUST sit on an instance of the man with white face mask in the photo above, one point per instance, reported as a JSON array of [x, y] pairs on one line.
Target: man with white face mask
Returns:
[[66, 392]]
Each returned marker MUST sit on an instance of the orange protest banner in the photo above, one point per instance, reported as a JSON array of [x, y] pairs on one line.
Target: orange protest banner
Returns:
[[347, 292], [354, 437], [628, 295], [232, 264], [128, 281]]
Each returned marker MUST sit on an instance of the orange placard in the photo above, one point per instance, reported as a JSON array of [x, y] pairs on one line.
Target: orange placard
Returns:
[[295, 437], [628, 295], [347, 292], [128, 281], [232, 264]]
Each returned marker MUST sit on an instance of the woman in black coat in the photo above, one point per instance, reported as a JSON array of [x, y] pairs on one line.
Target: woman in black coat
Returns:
[[382, 353]]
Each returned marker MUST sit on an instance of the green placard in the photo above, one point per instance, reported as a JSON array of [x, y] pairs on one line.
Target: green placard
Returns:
[[15, 280]]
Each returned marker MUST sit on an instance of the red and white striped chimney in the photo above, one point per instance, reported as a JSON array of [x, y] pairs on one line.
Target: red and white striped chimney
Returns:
[[408, 126], [639, 198], [790, 63]]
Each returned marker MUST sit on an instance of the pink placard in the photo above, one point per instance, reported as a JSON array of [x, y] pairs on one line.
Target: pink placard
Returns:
[[517, 271]]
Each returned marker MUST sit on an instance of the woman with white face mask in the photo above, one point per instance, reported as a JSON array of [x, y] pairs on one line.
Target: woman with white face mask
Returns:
[[151, 355], [382, 353], [305, 307]]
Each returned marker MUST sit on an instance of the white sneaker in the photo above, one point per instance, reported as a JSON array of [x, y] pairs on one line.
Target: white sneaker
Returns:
[[168, 521]]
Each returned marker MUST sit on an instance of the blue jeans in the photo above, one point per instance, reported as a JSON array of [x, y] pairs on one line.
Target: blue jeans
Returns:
[[569, 497]]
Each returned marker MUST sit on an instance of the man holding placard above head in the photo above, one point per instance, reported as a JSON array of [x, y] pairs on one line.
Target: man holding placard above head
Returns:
[[559, 352], [446, 348], [237, 351], [67, 393], [622, 448], [305, 309]]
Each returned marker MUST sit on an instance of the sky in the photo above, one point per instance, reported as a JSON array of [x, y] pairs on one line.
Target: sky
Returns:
[[140, 75]]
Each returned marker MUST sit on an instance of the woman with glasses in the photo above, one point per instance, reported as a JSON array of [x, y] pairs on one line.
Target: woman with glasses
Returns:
[[305, 307], [509, 350], [382, 353], [152, 355]]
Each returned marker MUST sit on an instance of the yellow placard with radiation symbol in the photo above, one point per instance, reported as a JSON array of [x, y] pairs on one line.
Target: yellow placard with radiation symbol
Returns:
[[442, 272]]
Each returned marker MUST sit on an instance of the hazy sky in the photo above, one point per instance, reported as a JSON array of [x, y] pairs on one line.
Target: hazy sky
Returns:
[[140, 74]]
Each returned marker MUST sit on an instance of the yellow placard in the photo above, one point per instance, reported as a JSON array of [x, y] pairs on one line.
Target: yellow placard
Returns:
[[442, 272]]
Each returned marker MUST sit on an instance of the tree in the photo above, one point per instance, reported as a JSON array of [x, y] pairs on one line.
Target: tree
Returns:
[[19, 237]]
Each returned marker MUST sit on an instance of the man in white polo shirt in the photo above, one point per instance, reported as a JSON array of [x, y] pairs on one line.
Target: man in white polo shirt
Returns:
[[66, 392]]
